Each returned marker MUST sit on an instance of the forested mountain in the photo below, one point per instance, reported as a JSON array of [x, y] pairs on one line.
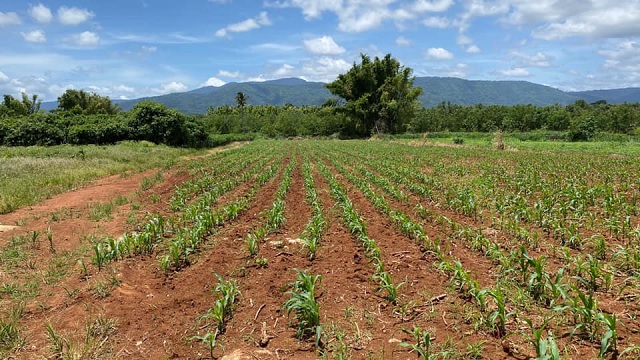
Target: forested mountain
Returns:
[[612, 96], [436, 90], [471, 92]]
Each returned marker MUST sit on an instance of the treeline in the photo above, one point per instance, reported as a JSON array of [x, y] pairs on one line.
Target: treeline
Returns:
[[580, 120], [83, 118]]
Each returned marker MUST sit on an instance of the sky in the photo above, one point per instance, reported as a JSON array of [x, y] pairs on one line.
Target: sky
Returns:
[[127, 49]]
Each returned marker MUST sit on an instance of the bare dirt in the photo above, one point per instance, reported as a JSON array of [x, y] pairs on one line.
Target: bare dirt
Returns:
[[157, 316]]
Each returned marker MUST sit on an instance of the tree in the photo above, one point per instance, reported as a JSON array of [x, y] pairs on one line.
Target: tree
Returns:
[[81, 102], [13, 107], [379, 95], [241, 99]]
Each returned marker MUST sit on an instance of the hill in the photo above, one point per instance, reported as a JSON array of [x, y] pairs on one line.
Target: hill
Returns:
[[471, 92], [612, 96], [436, 90]]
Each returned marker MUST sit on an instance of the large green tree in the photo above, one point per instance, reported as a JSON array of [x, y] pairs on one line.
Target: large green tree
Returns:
[[380, 96], [81, 102], [13, 107]]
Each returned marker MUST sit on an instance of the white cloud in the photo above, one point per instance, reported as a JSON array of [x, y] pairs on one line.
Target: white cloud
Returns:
[[35, 36], [458, 71], [622, 62], [432, 6], [170, 87], [514, 72], [402, 41], [213, 81], [436, 22], [229, 74], [10, 18], [41, 13], [463, 40], [146, 50], [274, 47], [247, 25], [73, 15], [363, 15], [85, 39], [3, 78], [285, 70], [323, 69], [473, 49], [311, 9], [324, 45], [124, 88], [160, 38], [438, 54], [539, 59]]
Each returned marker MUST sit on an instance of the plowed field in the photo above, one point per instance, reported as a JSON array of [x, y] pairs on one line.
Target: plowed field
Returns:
[[447, 252]]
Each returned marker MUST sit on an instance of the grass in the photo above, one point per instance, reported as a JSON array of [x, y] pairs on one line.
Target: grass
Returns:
[[101, 211], [532, 141], [32, 174]]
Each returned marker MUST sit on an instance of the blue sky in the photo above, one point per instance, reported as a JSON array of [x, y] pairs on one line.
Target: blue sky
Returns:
[[133, 48]]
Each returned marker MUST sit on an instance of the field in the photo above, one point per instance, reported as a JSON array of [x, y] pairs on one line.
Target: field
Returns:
[[308, 249]]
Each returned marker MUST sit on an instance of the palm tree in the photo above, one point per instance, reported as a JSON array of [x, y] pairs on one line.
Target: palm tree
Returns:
[[241, 99]]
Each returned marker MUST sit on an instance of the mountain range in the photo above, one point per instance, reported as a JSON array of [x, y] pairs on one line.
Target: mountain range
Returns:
[[299, 92]]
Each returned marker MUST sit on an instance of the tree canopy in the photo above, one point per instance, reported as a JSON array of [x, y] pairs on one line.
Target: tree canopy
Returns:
[[14, 107], [81, 102], [379, 94]]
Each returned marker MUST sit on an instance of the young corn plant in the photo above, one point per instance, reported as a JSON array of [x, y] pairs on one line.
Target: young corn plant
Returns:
[[546, 348], [385, 283], [584, 310], [422, 345], [253, 244], [609, 341], [222, 309], [498, 318], [303, 303]]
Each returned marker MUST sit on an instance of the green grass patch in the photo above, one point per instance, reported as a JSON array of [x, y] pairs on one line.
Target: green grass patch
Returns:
[[148, 182], [32, 174], [101, 211]]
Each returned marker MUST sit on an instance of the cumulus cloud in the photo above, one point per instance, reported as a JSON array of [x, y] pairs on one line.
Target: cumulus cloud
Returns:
[[73, 15], [436, 22], [229, 74], [170, 87], [247, 25], [41, 13], [35, 36], [85, 39], [9, 18], [323, 69], [623, 60], [361, 15], [431, 6], [473, 49], [458, 70], [324, 45], [539, 59], [438, 54], [402, 41], [514, 72], [213, 81]]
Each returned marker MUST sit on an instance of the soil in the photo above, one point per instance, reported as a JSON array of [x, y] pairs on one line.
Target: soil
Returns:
[[158, 315]]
